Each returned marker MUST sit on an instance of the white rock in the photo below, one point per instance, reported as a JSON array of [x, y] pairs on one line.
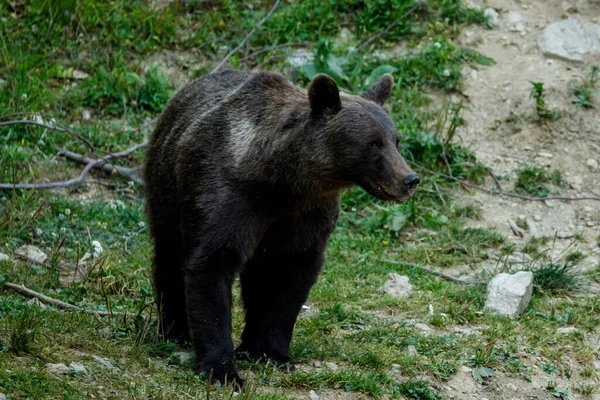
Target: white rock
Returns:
[[423, 328], [513, 17], [86, 114], [79, 75], [570, 40], [32, 254], [331, 366], [518, 27], [301, 57], [104, 362], [533, 230], [344, 38], [77, 367], [312, 395], [397, 286], [184, 356], [57, 368], [2, 396], [509, 294], [566, 330], [592, 164], [317, 364], [411, 350], [493, 16], [4, 257], [564, 235]]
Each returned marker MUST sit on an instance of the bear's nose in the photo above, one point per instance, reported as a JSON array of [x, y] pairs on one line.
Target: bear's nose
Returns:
[[411, 181]]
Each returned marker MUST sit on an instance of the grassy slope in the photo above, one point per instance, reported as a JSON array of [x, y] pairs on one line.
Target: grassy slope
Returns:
[[351, 324]]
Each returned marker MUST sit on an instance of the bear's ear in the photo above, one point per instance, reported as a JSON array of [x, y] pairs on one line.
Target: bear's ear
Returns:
[[381, 90], [324, 95]]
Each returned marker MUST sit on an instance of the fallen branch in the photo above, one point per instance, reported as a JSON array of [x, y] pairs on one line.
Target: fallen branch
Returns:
[[25, 291], [128, 173], [391, 26], [239, 46], [501, 193], [436, 273], [98, 163]]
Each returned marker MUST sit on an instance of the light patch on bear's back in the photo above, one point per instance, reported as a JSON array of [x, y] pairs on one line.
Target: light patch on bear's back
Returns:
[[241, 139]]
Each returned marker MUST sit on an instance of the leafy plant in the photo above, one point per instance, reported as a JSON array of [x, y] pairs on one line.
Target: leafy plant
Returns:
[[538, 93], [583, 93], [531, 180], [417, 390]]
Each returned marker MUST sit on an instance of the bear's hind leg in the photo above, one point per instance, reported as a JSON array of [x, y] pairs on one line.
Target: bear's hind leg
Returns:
[[169, 286]]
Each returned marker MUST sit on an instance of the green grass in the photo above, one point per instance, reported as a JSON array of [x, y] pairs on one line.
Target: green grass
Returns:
[[361, 330]]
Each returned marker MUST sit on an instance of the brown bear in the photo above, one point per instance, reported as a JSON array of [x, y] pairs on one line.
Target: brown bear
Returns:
[[243, 176]]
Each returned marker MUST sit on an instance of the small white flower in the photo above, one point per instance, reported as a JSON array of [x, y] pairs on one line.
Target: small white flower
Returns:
[[141, 224], [437, 45], [61, 216], [96, 248], [62, 230], [446, 72], [24, 96], [38, 118], [67, 211], [430, 309]]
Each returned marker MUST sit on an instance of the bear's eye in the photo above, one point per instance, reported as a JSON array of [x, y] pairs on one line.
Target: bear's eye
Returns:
[[374, 143]]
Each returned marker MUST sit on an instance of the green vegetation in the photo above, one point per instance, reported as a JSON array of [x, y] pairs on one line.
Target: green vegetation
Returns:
[[126, 50], [543, 112], [583, 93]]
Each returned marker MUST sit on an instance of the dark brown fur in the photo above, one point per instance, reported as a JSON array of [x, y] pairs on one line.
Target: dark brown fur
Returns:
[[243, 176]]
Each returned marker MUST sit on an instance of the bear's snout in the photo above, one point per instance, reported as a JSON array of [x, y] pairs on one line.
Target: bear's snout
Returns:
[[411, 181]]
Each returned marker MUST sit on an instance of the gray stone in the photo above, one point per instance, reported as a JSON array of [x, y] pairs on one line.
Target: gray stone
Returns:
[[104, 362], [493, 16], [300, 57], [344, 38], [423, 328], [4, 257], [332, 366], [184, 356], [312, 395], [60, 369], [570, 40], [77, 367], [411, 350], [317, 364], [32, 254], [566, 330], [2, 396], [592, 164], [397, 286], [509, 294], [513, 17]]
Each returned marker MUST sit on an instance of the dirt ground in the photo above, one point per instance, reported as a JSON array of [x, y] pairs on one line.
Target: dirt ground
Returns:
[[493, 92]]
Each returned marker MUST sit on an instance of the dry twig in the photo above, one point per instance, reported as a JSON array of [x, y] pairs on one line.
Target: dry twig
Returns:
[[501, 193], [55, 302], [436, 273], [391, 26], [243, 42]]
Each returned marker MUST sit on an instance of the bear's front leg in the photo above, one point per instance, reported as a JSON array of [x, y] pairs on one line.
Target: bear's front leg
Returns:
[[217, 247], [274, 288]]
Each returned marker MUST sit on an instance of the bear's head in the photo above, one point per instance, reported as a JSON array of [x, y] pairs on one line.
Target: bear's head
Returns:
[[361, 140]]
